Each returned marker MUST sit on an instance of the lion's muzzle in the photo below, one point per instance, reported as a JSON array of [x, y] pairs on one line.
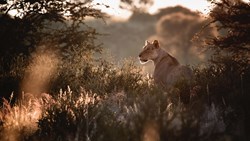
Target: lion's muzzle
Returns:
[[142, 60]]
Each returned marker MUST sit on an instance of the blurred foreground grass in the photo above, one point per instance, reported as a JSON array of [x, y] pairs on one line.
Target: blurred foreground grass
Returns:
[[106, 102]]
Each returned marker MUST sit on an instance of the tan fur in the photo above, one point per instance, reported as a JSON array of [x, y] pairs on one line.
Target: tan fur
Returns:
[[167, 69]]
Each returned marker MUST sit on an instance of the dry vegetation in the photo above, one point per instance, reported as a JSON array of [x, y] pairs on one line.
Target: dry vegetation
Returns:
[[70, 94]]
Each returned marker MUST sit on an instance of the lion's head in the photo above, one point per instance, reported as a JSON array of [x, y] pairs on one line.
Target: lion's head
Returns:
[[149, 51]]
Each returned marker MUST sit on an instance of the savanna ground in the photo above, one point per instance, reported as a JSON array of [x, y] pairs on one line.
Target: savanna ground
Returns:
[[55, 87]]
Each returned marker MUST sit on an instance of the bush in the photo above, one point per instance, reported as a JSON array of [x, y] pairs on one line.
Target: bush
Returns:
[[70, 117], [225, 83], [110, 103]]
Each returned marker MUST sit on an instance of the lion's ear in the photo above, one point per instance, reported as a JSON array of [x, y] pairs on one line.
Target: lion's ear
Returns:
[[156, 43], [147, 42]]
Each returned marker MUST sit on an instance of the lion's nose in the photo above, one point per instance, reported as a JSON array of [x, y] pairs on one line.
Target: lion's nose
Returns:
[[140, 55]]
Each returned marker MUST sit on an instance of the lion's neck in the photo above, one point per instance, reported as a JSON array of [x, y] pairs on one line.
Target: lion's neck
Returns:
[[164, 64], [164, 56]]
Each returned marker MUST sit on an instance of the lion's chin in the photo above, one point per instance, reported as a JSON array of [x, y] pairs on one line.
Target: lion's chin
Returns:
[[143, 61]]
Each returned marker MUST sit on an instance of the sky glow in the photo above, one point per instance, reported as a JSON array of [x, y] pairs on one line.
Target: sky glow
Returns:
[[195, 5]]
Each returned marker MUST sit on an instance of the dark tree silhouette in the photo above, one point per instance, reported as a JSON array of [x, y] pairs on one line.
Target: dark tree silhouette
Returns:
[[56, 24], [39, 22], [134, 5], [233, 18]]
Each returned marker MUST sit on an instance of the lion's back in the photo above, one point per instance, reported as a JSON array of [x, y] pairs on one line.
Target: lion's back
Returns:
[[179, 73]]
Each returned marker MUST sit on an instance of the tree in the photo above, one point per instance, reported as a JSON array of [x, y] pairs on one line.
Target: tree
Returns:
[[136, 5], [58, 25], [37, 22], [233, 18]]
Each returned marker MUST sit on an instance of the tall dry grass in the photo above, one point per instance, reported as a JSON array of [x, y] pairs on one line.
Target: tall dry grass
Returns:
[[20, 120], [120, 103]]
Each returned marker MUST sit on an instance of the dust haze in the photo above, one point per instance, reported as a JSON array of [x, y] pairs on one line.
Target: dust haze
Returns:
[[176, 28]]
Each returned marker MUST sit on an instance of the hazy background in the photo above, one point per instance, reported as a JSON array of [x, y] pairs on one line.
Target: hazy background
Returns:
[[175, 27]]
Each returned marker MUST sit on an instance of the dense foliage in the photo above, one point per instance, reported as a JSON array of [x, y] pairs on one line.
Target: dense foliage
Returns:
[[232, 59], [57, 26], [233, 21]]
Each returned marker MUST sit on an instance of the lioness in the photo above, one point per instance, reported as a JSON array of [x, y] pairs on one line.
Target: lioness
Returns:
[[167, 70]]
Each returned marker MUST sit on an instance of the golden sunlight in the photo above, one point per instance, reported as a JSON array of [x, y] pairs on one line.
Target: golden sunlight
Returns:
[[113, 9], [195, 5]]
